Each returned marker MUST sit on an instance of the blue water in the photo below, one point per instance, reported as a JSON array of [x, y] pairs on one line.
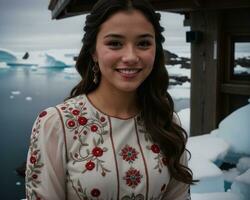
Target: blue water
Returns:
[[47, 87]]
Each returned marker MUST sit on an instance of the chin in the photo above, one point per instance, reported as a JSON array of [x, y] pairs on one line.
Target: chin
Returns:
[[128, 88]]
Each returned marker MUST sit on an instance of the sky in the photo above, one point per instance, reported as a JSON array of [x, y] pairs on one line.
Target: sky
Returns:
[[26, 25]]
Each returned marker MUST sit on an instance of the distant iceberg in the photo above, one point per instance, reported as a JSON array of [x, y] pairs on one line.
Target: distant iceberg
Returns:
[[7, 56], [50, 58]]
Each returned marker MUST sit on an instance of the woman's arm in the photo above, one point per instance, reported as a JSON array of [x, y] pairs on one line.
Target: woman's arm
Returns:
[[46, 161]]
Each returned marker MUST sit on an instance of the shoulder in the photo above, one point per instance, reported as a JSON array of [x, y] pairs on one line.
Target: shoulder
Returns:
[[72, 103]]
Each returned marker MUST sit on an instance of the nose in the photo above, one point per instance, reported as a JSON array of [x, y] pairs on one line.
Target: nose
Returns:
[[130, 56]]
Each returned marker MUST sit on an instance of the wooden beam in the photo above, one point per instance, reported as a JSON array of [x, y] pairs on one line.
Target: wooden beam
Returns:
[[64, 8], [236, 89]]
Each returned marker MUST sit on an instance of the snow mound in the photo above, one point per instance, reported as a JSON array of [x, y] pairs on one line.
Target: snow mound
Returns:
[[235, 129], [241, 185], [209, 175], [208, 146], [243, 164]]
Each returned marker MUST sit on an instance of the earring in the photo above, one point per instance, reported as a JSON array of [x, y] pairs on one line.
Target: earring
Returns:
[[96, 70]]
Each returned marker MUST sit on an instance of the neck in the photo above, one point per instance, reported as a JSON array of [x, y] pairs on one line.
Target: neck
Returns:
[[115, 103]]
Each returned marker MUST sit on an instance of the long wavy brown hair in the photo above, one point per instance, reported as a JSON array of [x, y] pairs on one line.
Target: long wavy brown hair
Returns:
[[157, 106]]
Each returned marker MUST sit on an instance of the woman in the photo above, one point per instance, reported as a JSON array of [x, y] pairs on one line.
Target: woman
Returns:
[[116, 136]]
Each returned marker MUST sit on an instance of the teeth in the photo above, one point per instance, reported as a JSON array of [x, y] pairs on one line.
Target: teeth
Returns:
[[128, 71]]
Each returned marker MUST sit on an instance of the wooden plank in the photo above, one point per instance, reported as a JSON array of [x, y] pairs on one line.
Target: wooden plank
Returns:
[[235, 89]]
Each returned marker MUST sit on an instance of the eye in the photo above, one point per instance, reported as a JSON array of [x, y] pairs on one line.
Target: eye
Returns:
[[144, 44], [115, 44]]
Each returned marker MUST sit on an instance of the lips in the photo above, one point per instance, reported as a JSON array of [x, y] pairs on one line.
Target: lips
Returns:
[[128, 71]]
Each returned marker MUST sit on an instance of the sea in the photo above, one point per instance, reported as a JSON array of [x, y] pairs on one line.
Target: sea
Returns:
[[29, 83]]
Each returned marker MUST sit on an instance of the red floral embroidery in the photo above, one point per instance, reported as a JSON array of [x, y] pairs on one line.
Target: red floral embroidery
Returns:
[[129, 154], [83, 193], [34, 176], [95, 192], [92, 158], [63, 108], [71, 123], [35, 164], [32, 159], [133, 177], [94, 128], [155, 148], [82, 120], [80, 126], [90, 165], [160, 159], [102, 119], [75, 112], [42, 114], [97, 151]]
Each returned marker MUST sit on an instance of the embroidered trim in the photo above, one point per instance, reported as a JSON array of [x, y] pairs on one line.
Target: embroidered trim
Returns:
[[34, 164]]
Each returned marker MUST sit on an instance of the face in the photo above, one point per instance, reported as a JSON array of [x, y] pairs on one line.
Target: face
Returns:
[[125, 51]]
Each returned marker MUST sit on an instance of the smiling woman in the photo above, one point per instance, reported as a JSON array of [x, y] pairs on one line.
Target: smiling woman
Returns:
[[116, 136]]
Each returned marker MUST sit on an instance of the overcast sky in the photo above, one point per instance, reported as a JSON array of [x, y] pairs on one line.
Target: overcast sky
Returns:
[[26, 25]]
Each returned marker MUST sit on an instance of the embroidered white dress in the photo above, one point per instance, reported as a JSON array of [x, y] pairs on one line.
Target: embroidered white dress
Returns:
[[78, 152]]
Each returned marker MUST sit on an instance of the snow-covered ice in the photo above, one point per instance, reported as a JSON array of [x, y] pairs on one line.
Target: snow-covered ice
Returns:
[[28, 98], [208, 146], [179, 92], [241, 185], [209, 175], [15, 92], [216, 196], [235, 129], [176, 70], [243, 164]]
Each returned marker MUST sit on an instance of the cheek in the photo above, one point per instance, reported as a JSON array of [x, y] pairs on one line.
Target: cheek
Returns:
[[107, 58], [149, 58]]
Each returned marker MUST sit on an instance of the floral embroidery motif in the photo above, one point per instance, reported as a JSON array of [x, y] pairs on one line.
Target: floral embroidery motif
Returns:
[[134, 197], [94, 193], [35, 164], [129, 154], [161, 160], [92, 158], [79, 124], [133, 177]]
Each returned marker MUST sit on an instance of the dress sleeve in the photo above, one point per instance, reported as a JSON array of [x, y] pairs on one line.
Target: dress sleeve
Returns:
[[177, 190], [46, 160]]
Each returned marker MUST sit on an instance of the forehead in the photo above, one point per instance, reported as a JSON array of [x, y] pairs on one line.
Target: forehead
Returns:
[[127, 22]]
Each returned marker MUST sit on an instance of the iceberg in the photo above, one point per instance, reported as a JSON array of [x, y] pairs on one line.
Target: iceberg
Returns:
[[50, 58], [7, 56]]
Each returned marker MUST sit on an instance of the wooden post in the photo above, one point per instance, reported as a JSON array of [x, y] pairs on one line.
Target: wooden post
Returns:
[[204, 72]]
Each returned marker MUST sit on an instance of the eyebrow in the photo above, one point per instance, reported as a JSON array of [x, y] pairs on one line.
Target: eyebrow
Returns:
[[121, 36]]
